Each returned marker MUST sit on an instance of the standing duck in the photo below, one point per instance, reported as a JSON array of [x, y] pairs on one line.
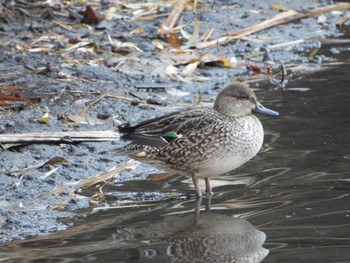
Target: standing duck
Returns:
[[201, 142]]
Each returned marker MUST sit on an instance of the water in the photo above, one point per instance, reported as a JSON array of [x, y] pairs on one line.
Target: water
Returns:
[[289, 204]]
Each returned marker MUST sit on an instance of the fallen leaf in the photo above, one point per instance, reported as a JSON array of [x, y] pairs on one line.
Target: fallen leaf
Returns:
[[225, 62], [91, 16], [279, 8], [125, 47], [264, 68], [56, 160], [211, 59], [195, 35], [5, 100], [159, 44], [171, 70], [341, 21], [174, 41], [190, 68], [256, 69], [313, 52], [45, 119], [137, 31]]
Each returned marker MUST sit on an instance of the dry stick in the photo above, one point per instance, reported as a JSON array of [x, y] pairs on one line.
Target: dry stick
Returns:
[[65, 137], [173, 17], [282, 18], [144, 103], [86, 183], [12, 98], [91, 103]]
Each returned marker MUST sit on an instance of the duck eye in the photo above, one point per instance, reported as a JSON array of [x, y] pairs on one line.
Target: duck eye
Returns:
[[243, 97]]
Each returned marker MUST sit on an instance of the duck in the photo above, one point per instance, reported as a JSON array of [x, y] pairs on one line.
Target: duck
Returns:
[[200, 142]]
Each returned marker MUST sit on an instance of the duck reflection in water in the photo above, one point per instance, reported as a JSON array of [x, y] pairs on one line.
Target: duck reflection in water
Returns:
[[208, 237], [201, 142]]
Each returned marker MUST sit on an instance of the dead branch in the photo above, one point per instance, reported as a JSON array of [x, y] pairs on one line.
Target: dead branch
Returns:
[[279, 19], [64, 137], [173, 17]]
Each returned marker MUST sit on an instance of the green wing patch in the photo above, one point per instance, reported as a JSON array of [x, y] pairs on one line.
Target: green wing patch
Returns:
[[170, 135]]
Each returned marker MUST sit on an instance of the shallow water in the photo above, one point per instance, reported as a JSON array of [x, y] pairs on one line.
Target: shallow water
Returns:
[[294, 194]]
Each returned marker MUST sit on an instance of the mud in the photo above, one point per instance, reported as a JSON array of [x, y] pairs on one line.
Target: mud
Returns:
[[85, 74]]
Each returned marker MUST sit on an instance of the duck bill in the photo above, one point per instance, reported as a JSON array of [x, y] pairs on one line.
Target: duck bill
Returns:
[[261, 109]]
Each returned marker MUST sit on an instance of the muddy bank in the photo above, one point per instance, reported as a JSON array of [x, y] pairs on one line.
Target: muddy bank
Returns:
[[123, 71]]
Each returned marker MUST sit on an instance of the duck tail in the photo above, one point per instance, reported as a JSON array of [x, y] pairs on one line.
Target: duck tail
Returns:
[[136, 151]]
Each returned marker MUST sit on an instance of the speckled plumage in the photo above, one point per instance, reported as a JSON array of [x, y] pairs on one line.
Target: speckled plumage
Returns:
[[206, 142]]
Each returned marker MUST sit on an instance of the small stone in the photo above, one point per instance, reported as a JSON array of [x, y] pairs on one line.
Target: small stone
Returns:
[[135, 102], [146, 46], [334, 51]]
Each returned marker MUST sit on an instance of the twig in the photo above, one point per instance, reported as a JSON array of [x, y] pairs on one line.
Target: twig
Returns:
[[282, 83], [65, 137], [86, 183], [91, 103], [279, 19], [150, 87], [173, 17]]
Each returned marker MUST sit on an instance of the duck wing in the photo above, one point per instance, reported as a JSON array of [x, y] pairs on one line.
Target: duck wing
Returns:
[[160, 131]]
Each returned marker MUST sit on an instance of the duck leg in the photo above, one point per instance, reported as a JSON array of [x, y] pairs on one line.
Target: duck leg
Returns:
[[197, 210], [208, 204], [207, 186], [196, 187]]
